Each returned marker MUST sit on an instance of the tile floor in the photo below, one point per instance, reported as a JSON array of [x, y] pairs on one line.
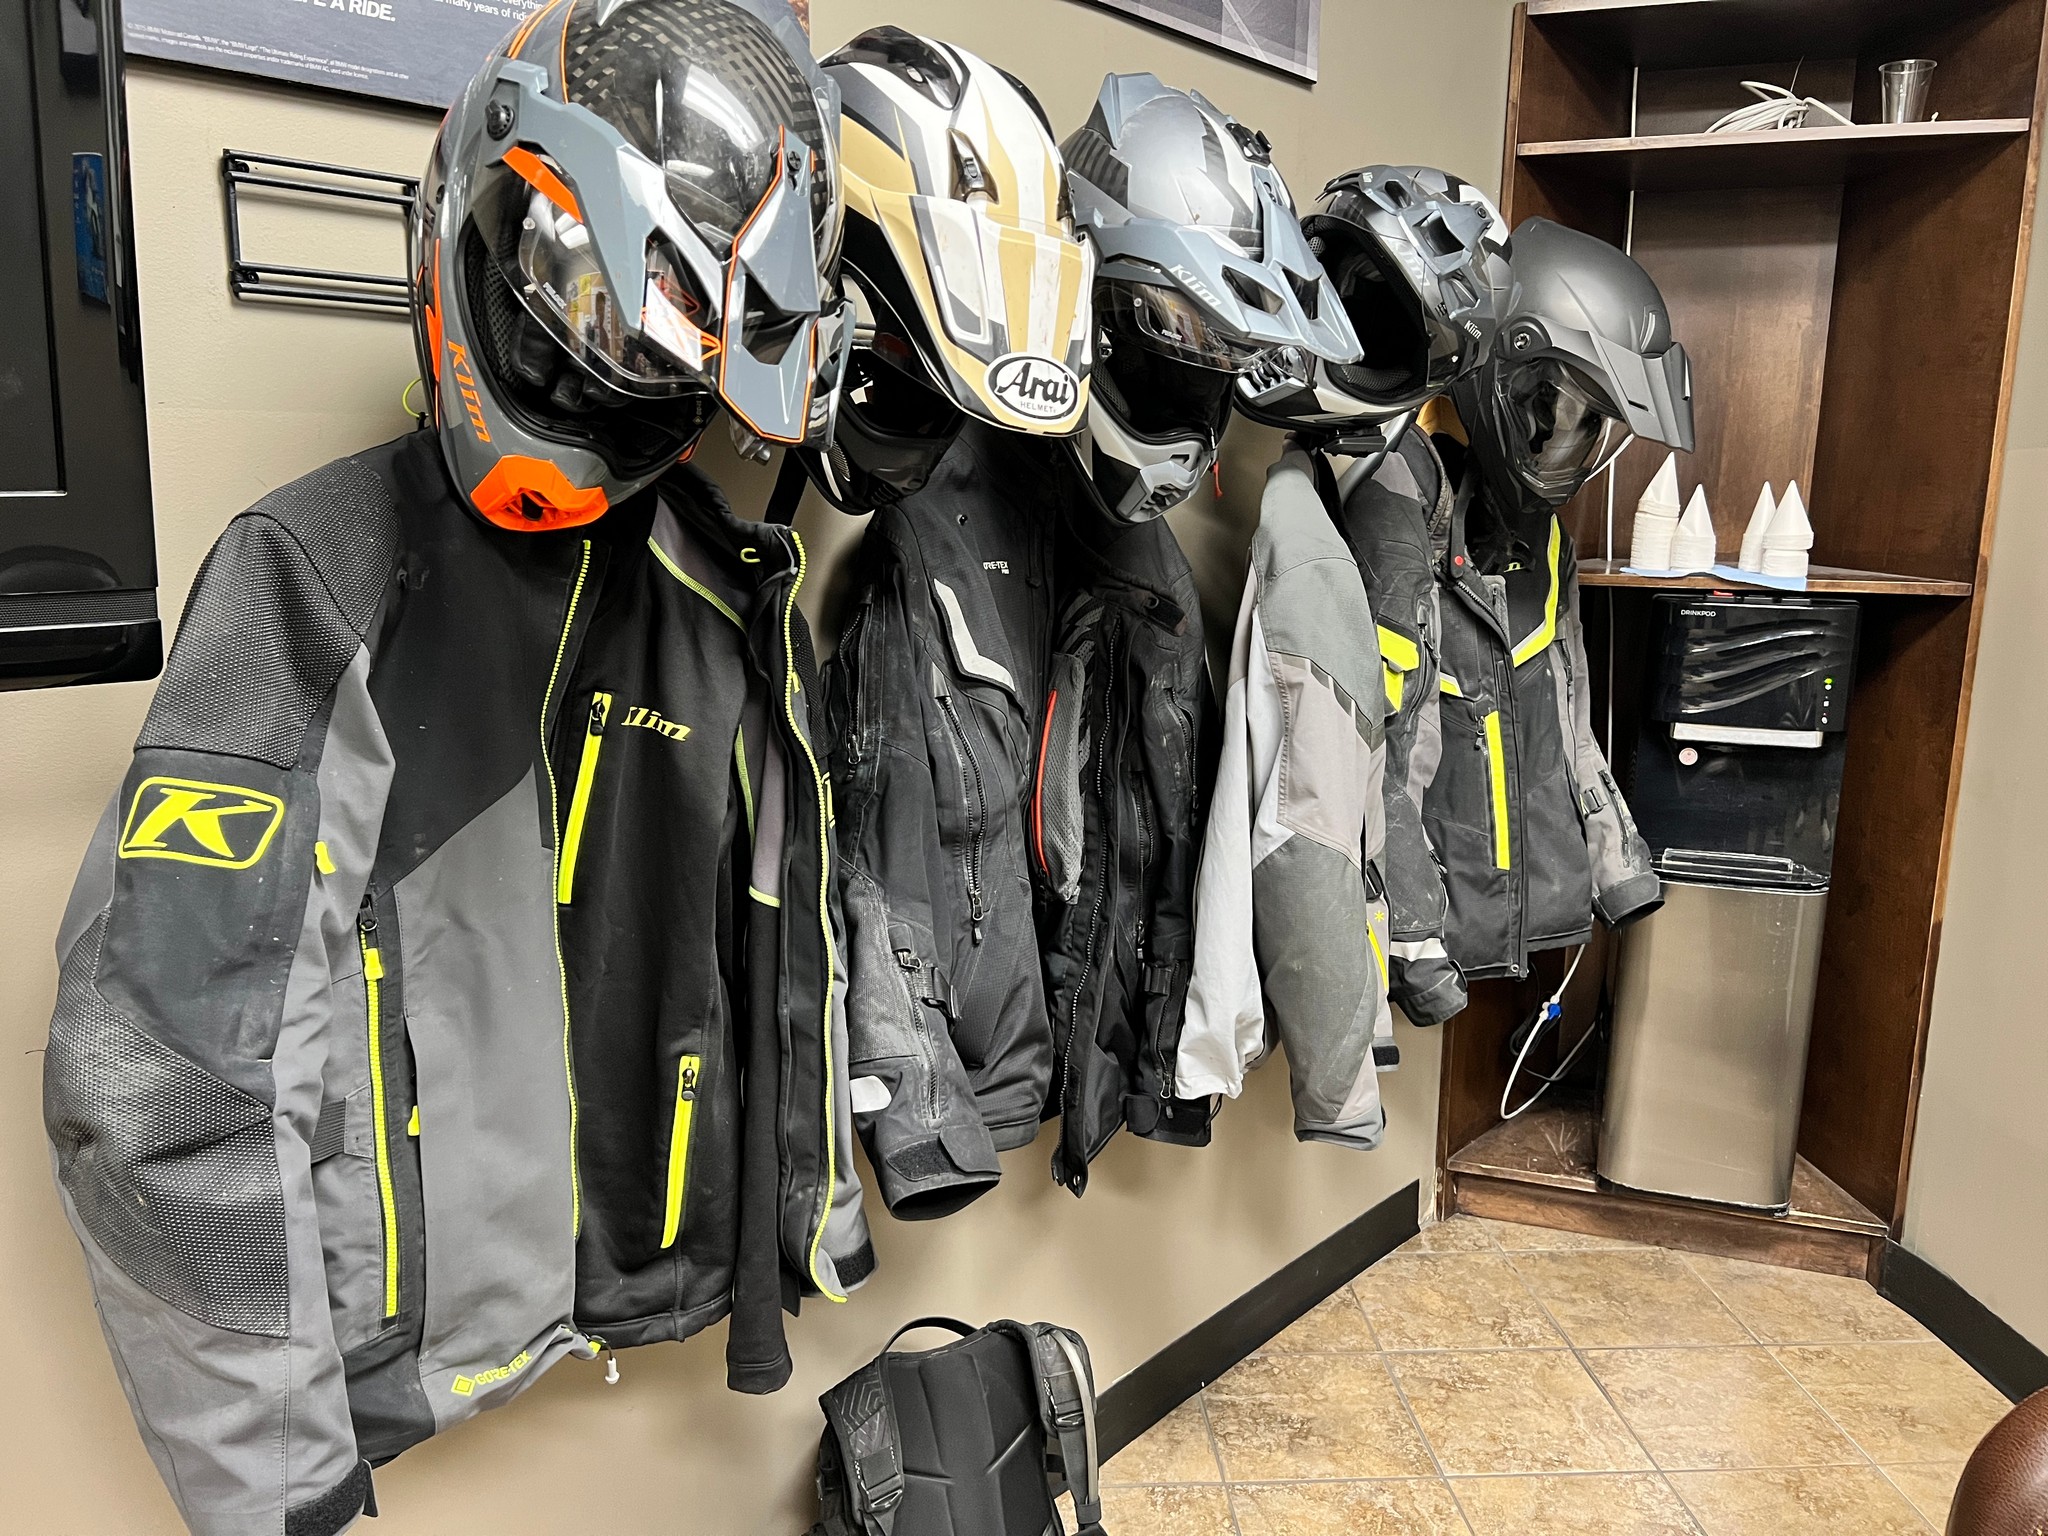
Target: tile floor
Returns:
[[1491, 1379]]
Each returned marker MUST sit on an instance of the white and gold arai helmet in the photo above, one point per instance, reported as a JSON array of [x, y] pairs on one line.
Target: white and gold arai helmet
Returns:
[[959, 251]]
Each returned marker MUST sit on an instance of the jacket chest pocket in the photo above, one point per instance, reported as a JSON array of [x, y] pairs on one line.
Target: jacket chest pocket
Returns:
[[682, 1123], [587, 761], [975, 765], [1058, 823]]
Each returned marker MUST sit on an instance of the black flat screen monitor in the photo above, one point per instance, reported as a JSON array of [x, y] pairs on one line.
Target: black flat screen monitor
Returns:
[[77, 544]]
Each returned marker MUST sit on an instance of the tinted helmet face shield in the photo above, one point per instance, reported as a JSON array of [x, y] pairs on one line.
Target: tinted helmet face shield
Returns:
[[1394, 371], [1169, 373], [1554, 419]]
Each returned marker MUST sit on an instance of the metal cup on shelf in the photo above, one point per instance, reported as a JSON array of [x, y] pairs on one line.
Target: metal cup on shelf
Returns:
[[1905, 89]]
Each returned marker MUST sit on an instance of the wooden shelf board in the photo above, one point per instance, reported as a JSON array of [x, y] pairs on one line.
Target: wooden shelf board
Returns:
[[1782, 157], [1596, 572], [1692, 34], [1538, 1169]]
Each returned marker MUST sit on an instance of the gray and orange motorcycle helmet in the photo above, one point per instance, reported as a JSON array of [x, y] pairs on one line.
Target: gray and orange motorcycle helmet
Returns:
[[1202, 273], [630, 221], [1421, 262]]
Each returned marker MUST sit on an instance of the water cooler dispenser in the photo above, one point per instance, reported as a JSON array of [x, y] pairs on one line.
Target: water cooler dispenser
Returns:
[[1736, 787]]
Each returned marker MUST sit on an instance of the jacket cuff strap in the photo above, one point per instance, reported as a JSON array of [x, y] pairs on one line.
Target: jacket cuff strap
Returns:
[[1636, 897], [328, 1513]]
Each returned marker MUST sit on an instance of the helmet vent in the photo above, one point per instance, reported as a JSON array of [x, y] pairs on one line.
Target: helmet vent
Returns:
[[1257, 295]]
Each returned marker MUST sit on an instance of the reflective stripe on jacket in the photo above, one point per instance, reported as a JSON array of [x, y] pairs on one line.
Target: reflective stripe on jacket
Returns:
[[313, 1077], [1531, 832], [936, 692]]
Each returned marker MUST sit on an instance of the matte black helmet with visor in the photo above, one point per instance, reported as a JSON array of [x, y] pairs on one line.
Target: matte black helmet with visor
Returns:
[[1585, 361]]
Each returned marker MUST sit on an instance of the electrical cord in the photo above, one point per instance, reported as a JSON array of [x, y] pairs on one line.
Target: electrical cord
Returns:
[[1540, 1023], [1776, 107]]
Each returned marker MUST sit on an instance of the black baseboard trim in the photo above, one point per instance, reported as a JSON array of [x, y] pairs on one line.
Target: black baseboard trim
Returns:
[[1140, 1399], [1997, 1351]]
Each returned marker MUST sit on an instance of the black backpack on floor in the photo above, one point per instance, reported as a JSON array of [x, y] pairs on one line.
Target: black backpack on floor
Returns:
[[974, 1438]]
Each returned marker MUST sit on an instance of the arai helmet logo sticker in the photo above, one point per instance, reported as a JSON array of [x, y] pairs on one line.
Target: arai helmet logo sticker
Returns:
[[1034, 387]]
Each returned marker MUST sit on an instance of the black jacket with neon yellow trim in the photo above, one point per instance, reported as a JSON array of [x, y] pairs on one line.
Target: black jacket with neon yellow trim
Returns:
[[1493, 741], [452, 984]]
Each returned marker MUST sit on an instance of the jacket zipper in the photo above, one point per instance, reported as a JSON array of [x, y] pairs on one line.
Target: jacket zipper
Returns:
[[579, 800], [1497, 784], [380, 1119], [1038, 785], [824, 795], [679, 1147], [976, 828], [547, 758], [1102, 886]]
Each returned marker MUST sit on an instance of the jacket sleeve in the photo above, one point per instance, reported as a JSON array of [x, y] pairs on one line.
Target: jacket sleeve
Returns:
[[1424, 981], [1625, 883], [1223, 1030], [910, 1094], [182, 1083], [1304, 717]]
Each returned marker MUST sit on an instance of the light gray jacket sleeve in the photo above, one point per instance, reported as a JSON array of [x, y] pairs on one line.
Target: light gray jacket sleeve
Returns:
[[1625, 884], [182, 1083], [1314, 821]]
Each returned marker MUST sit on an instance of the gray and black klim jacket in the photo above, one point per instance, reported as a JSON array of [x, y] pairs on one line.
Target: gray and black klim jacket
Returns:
[[452, 984], [1494, 737], [1124, 764], [937, 688], [1290, 907]]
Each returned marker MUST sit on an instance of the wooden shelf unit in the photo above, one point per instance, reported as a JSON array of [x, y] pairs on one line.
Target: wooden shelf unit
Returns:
[[1849, 299], [1833, 579], [1791, 157]]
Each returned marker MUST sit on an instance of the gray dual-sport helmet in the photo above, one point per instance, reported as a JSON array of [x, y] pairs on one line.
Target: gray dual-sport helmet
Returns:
[[1420, 259], [1202, 273], [631, 218], [1586, 346]]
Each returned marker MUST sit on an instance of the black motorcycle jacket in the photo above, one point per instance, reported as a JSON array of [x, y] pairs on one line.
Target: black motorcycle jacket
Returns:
[[1125, 760], [1531, 832], [936, 690], [370, 1082]]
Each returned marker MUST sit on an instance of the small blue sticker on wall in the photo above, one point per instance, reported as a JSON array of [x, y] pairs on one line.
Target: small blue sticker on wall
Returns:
[[89, 223]]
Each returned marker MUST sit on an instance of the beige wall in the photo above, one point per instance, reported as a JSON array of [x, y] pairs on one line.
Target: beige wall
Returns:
[[1977, 1207], [242, 399]]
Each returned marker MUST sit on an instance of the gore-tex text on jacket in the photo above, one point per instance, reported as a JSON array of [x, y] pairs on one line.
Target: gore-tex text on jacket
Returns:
[[313, 1077]]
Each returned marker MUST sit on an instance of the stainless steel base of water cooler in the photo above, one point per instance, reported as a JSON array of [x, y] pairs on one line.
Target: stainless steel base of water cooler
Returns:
[[1713, 1007]]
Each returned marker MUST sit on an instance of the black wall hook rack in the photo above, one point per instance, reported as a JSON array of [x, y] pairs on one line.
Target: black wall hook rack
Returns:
[[313, 285]]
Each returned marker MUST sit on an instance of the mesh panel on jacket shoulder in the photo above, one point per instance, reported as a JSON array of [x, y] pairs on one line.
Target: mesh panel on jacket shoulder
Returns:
[[281, 604]]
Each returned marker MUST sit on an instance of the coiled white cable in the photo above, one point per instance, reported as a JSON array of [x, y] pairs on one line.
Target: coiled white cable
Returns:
[[1776, 107]]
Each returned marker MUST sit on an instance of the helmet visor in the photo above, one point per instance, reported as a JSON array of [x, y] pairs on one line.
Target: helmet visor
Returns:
[[653, 349], [1555, 419], [1162, 319], [707, 92]]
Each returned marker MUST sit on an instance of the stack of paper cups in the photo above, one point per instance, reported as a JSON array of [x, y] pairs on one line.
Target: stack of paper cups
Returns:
[[1789, 537], [1656, 520], [1752, 556], [1693, 547]]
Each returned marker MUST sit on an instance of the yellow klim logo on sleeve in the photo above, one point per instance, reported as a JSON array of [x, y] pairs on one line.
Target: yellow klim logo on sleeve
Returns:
[[223, 825]]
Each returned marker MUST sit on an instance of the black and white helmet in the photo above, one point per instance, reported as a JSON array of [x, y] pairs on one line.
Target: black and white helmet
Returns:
[[1202, 273], [1420, 259]]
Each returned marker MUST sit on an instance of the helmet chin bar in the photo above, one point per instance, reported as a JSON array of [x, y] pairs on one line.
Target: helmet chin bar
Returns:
[[1155, 477]]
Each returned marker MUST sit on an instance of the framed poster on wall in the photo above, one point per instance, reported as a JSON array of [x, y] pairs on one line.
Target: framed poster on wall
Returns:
[[420, 51], [1279, 33]]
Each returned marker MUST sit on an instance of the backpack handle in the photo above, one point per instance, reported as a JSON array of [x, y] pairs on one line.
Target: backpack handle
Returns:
[[950, 1324]]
